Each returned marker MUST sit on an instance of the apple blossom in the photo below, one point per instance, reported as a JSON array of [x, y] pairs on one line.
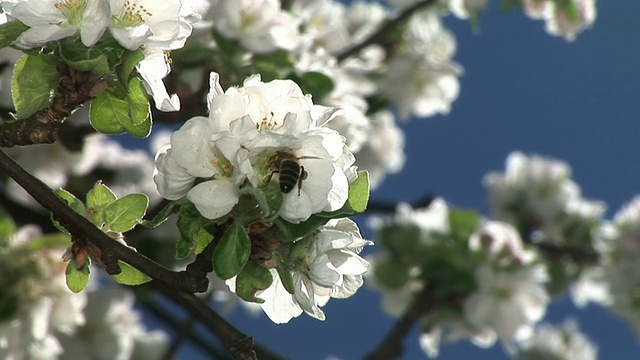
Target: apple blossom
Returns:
[[51, 20], [330, 267], [564, 342]]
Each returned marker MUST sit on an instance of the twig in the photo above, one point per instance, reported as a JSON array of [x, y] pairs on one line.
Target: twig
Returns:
[[424, 302], [79, 226], [379, 35]]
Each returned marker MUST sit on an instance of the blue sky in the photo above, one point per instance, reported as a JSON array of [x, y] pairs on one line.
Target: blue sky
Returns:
[[522, 90]]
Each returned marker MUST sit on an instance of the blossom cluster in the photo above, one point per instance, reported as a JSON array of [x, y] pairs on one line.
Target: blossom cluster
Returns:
[[153, 26], [50, 322], [563, 18], [499, 280], [271, 133]]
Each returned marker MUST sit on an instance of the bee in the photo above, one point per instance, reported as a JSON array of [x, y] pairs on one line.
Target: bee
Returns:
[[290, 172]]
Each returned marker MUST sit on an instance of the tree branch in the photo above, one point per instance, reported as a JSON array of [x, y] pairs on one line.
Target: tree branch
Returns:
[[379, 36], [75, 88], [80, 227]]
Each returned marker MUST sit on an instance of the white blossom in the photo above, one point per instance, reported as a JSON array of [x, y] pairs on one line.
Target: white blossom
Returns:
[[423, 80], [51, 20], [564, 342], [164, 24], [331, 268], [566, 19]]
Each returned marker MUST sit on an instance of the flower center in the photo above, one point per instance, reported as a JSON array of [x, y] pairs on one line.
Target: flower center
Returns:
[[133, 14], [267, 123], [72, 10], [221, 163]]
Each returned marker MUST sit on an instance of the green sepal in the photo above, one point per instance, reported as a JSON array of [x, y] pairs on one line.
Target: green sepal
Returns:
[[172, 207], [34, 84], [130, 59], [286, 277], [77, 278], [252, 278], [130, 275], [73, 203], [10, 31], [232, 252], [125, 213]]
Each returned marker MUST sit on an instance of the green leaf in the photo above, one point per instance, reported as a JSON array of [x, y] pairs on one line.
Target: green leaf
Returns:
[[73, 202], [252, 279], [113, 115], [50, 241], [10, 31], [232, 252], [130, 60], [203, 239], [359, 191], [97, 199], [125, 213], [77, 279], [357, 201], [130, 275], [391, 273], [7, 227], [462, 223], [292, 232], [190, 224], [100, 58], [34, 83], [317, 84], [275, 65]]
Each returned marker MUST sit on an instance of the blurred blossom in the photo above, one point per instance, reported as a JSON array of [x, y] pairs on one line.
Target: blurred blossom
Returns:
[[421, 79], [564, 342], [383, 152], [510, 296], [33, 286], [261, 26], [563, 18], [113, 330]]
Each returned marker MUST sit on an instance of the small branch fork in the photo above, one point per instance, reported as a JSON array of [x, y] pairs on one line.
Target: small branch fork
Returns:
[[379, 36]]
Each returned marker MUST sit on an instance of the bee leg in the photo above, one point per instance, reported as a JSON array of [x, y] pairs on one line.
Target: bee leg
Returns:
[[302, 175]]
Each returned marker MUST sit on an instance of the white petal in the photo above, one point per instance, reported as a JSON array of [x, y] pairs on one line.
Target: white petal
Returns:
[[214, 198]]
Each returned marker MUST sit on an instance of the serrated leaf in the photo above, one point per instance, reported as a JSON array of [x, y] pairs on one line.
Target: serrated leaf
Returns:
[[34, 83], [232, 252], [252, 279], [77, 279], [130, 275], [125, 213], [10, 31], [97, 199]]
